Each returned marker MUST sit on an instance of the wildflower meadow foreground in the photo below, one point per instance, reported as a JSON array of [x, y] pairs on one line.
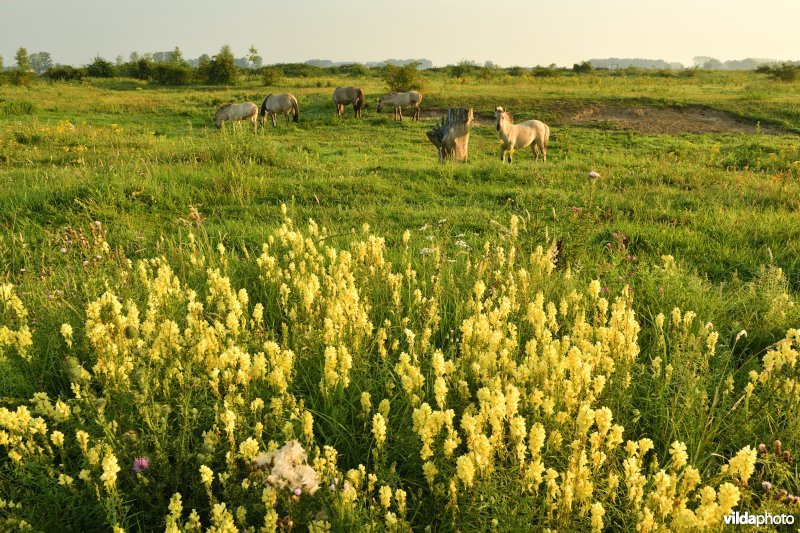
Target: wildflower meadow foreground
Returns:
[[320, 385]]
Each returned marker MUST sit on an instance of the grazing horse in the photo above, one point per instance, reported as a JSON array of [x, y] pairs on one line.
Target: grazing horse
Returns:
[[343, 96], [279, 103], [513, 136], [397, 100], [234, 112]]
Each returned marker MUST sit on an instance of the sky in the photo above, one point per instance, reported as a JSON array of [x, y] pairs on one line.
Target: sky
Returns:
[[506, 32]]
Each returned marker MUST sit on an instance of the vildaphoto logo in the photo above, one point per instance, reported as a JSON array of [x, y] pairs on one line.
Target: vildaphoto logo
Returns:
[[765, 519]]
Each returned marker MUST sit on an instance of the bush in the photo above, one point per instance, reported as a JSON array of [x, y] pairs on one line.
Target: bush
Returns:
[[405, 78], [300, 70], [785, 72], [582, 68], [271, 76], [141, 69], [100, 68], [353, 69], [171, 74], [65, 73]]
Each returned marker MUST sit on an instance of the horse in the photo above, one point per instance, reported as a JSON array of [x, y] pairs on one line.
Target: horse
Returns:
[[343, 96], [279, 103], [513, 136], [234, 112], [397, 100]]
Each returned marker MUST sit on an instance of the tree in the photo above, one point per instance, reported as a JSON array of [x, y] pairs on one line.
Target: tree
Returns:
[[255, 60], [21, 75], [134, 57], [176, 57], [1, 62], [120, 60], [222, 69], [40, 62], [23, 60]]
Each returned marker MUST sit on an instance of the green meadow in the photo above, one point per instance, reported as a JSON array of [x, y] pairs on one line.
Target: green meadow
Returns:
[[121, 191]]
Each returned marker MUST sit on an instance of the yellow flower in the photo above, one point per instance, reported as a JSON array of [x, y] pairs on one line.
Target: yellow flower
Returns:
[[206, 475], [110, 470], [744, 463], [465, 469], [385, 495], [379, 429], [679, 455], [66, 332], [58, 438]]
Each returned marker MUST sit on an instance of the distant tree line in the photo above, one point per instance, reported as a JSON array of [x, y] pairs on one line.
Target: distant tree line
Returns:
[[170, 68]]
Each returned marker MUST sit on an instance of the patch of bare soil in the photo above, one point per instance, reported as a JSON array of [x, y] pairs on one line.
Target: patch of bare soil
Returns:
[[645, 119], [673, 120]]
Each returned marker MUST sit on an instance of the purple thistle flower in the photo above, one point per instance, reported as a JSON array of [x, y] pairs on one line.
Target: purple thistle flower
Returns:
[[63, 250], [97, 223], [140, 464], [297, 491], [767, 486]]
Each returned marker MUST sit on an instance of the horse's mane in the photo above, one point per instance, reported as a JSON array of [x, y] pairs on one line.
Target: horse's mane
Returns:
[[221, 108]]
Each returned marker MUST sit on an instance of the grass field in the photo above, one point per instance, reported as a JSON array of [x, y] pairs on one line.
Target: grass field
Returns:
[[437, 327]]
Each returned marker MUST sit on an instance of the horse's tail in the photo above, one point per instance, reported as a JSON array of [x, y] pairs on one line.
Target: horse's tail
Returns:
[[546, 139], [263, 111], [296, 109], [360, 100]]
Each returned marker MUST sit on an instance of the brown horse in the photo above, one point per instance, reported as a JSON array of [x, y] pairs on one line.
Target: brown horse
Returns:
[[344, 96]]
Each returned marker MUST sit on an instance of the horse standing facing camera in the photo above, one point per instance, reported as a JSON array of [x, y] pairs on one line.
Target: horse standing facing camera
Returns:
[[513, 136]]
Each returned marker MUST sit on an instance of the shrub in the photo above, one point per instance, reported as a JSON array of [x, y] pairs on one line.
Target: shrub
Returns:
[[271, 76], [172, 74], [141, 69], [65, 73], [582, 68], [100, 68], [405, 78]]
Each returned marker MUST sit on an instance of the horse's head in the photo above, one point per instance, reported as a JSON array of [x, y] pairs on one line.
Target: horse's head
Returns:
[[499, 115]]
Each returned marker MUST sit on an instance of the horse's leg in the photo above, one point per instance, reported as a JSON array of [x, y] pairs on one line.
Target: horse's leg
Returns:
[[274, 119], [400, 110]]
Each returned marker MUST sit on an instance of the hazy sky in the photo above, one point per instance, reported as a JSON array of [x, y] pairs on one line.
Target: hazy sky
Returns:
[[508, 32]]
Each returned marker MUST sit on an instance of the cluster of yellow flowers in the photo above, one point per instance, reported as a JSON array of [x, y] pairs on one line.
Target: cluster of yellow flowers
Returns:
[[521, 392]]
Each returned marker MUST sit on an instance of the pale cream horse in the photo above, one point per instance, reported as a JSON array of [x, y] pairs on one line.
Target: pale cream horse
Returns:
[[344, 96], [397, 100], [234, 112], [513, 136], [279, 103]]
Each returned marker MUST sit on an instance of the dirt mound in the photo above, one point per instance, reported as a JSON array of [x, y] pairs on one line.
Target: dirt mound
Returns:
[[646, 119]]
